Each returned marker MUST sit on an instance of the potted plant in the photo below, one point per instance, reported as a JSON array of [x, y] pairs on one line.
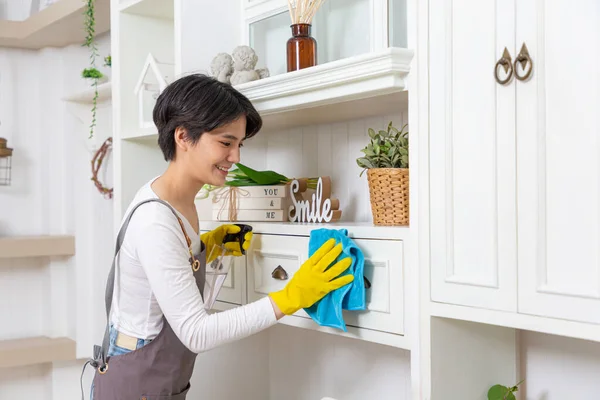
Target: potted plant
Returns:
[[386, 162], [93, 75]]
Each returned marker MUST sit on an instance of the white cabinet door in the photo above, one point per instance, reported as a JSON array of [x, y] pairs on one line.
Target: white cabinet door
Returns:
[[558, 142], [472, 155]]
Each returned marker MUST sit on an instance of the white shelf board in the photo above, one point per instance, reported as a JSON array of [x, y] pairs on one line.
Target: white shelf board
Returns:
[[87, 96], [534, 323], [163, 9], [35, 350], [356, 230], [369, 335], [58, 25], [356, 87], [37, 246]]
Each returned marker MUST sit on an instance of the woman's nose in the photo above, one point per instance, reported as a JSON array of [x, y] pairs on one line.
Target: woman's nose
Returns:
[[234, 156]]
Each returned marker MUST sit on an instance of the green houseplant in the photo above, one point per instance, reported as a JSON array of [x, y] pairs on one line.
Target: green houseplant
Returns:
[[386, 162], [501, 392]]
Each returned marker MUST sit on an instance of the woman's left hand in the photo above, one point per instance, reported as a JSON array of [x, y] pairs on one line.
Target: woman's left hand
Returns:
[[216, 236]]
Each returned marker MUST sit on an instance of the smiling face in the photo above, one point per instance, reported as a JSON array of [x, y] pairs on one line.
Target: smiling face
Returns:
[[209, 159]]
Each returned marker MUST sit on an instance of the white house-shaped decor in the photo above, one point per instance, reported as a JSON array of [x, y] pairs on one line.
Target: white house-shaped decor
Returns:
[[149, 86]]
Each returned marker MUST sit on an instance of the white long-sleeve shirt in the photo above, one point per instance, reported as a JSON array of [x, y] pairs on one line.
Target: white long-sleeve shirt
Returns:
[[154, 276]]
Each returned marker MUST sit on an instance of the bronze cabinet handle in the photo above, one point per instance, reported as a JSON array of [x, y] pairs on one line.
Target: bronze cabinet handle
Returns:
[[279, 273], [506, 62], [523, 58]]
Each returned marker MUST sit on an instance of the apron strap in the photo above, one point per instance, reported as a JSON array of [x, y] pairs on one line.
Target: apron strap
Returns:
[[99, 358]]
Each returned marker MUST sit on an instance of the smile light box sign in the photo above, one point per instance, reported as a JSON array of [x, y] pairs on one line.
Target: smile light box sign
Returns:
[[316, 207]]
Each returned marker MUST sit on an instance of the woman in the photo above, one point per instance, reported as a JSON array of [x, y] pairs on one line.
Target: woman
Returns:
[[158, 322]]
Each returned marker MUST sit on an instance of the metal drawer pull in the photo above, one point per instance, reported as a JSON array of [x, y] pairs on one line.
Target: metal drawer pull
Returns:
[[279, 273], [505, 62], [524, 59], [367, 283]]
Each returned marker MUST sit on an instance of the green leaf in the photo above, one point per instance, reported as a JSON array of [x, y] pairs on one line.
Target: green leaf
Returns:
[[497, 392], [404, 161], [262, 177], [241, 182], [371, 133], [364, 163]]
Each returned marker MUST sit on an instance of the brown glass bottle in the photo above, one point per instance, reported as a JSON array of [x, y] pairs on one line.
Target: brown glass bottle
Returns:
[[301, 48]]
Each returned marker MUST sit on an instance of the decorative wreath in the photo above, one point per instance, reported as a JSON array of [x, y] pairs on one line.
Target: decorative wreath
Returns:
[[97, 163]]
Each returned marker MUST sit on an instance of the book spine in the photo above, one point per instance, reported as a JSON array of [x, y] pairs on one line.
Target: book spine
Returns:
[[251, 215], [254, 203], [271, 191]]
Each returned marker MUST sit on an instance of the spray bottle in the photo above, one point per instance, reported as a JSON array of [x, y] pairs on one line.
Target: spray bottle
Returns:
[[217, 270]]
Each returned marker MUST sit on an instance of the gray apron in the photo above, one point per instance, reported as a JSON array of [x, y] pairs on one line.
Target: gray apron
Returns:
[[159, 370]]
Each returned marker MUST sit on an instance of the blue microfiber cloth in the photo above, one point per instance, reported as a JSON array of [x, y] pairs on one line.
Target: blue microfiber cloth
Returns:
[[328, 310]]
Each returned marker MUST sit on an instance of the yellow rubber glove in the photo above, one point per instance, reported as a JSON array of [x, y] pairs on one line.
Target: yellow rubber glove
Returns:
[[314, 280], [215, 237]]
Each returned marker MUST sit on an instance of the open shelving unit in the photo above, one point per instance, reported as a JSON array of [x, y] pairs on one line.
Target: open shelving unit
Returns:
[[304, 112], [58, 25]]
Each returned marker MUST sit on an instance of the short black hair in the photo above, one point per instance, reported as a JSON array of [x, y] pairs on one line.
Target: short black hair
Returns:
[[200, 103]]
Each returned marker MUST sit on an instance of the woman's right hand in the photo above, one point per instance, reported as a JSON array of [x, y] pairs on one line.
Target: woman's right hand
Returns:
[[314, 279]]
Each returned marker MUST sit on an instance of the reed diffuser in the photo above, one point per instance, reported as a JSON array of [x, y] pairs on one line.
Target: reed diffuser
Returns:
[[302, 47]]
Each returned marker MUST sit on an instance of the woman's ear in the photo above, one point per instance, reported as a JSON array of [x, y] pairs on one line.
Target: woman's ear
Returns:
[[181, 139]]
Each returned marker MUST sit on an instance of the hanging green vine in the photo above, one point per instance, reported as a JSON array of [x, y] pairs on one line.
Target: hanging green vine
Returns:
[[92, 72]]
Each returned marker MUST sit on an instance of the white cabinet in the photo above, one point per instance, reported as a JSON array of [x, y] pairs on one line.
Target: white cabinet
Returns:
[[558, 136], [514, 160], [274, 258], [472, 156]]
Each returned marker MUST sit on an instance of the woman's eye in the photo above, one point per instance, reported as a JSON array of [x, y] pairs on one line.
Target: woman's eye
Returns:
[[241, 144], [226, 144]]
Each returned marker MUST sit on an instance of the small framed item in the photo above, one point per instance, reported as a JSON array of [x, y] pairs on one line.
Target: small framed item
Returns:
[[5, 163]]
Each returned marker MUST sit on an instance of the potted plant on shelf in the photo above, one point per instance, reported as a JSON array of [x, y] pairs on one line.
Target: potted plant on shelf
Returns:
[[93, 75], [386, 162]]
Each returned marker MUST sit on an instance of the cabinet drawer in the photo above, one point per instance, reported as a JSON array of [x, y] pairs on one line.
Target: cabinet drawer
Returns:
[[269, 253], [383, 270]]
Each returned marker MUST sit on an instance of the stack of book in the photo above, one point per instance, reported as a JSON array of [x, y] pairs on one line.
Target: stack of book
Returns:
[[252, 203]]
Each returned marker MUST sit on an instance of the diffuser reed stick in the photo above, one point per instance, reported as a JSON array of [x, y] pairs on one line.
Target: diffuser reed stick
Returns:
[[303, 11]]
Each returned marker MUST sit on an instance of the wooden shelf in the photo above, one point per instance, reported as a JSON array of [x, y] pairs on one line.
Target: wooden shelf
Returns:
[[37, 246], [58, 25], [356, 87], [87, 96], [35, 350], [356, 230]]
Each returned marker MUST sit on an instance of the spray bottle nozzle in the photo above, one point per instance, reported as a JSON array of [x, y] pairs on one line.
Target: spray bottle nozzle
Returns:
[[238, 237]]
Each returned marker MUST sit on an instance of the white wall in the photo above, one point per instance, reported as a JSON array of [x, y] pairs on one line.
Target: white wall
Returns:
[[51, 193]]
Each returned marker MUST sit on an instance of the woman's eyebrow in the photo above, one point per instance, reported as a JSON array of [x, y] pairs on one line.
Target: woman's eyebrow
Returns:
[[229, 136]]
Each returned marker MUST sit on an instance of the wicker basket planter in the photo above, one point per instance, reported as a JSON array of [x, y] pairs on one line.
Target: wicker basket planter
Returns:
[[388, 189]]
